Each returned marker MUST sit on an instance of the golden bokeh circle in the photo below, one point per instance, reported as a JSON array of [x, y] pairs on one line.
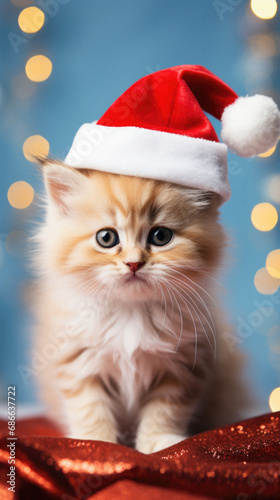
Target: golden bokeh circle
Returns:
[[273, 263], [1, 254], [265, 283], [35, 146], [38, 68], [264, 9], [20, 194], [22, 3], [273, 188], [31, 19], [264, 217], [274, 399], [263, 45], [268, 153]]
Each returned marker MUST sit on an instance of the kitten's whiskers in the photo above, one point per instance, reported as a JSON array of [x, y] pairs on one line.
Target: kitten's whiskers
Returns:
[[197, 311], [180, 313], [198, 296]]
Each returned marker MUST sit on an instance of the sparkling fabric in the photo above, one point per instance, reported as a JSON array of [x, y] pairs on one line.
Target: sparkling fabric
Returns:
[[240, 462]]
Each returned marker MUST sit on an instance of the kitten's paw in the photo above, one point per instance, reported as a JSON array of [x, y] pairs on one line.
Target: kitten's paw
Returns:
[[159, 442]]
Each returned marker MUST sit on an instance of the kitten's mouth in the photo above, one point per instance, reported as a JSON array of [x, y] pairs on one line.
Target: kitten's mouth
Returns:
[[134, 278]]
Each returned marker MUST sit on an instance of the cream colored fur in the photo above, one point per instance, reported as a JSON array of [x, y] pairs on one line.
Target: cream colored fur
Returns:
[[142, 362]]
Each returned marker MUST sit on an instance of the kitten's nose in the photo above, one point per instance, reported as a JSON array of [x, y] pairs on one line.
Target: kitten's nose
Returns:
[[134, 266]]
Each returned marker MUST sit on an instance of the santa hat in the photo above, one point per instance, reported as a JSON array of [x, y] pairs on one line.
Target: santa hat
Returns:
[[157, 129]]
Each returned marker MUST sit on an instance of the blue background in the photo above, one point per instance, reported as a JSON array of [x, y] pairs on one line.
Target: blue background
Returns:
[[98, 48]]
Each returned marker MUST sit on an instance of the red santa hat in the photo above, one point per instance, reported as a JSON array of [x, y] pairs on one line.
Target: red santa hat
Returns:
[[158, 129]]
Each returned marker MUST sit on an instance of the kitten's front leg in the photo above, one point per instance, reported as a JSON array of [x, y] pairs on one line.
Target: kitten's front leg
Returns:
[[88, 411], [163, 423]]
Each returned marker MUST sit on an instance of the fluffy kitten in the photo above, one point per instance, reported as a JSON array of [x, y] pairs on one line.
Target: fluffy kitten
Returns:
[[126, 311]]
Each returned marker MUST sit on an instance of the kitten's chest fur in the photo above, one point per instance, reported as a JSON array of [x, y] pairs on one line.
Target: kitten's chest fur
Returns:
[[130, 346]]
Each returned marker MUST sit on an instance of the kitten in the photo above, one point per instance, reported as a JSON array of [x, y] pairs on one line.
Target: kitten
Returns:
[[126, 311]]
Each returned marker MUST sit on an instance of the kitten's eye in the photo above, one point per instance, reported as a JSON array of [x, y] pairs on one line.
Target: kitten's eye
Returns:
[[107, 238], [160, 236]]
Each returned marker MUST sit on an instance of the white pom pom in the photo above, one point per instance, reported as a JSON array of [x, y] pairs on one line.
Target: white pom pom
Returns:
[[251, 125]]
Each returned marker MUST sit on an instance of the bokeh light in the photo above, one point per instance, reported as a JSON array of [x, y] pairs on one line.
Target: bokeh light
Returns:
[[37, 146], [1, 254], [31, 19], [273, 338], [22, 3], [265, 283], [264, 216], [258, 71], [268, 153], [38, 68], [273, 188], [20, 194], [2, 95], [273, 263], [263, 45], [22, 87], [16, 243], [274, 399], [265, 9]]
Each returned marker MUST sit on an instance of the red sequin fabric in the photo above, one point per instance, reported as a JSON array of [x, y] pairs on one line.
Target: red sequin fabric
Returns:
[[240, 462]]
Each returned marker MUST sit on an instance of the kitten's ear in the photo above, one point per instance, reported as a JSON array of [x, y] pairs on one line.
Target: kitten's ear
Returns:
[[61, 182], [208, 200]]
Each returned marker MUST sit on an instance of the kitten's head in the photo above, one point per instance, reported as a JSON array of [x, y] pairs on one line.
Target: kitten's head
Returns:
[[126, 236]]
